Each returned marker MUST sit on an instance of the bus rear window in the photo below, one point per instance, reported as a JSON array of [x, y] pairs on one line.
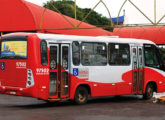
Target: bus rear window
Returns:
[[13, 49]]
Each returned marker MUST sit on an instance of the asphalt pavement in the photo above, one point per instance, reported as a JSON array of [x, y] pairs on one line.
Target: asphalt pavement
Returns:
[[108, 108]]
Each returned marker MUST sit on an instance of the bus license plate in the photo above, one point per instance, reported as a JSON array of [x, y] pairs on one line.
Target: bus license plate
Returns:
[[12, 92]]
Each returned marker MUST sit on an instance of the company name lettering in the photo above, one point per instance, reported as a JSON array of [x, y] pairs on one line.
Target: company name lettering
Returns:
[[83, 72]]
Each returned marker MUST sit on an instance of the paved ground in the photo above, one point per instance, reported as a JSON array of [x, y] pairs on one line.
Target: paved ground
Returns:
[[111, 108]]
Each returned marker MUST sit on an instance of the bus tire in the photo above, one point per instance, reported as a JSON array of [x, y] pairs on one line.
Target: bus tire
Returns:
[[148, 92], [81, 95]]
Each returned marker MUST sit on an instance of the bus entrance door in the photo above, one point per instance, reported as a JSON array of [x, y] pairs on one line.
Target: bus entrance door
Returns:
[[59, 70], [138, 70]]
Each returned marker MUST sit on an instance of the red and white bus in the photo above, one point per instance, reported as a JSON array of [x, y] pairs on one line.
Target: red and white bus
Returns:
[[63, 67]]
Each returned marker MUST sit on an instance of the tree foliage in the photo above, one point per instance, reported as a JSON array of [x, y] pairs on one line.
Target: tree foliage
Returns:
[[66, 7]]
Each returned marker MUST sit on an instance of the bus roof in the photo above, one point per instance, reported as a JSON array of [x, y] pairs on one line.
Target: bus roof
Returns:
[[58, 37], [52, 37]]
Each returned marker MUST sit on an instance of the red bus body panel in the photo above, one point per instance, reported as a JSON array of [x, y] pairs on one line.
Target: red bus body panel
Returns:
[[13, 78]]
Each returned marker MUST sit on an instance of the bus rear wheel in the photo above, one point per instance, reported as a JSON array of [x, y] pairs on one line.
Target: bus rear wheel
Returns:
[[149, 92], [81, 95]]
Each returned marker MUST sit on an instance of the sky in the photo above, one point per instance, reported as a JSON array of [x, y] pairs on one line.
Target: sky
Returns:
[[133, 16]]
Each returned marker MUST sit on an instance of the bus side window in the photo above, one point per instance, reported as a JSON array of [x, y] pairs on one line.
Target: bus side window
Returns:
[[118, 54], [93, 54], [43, 49], [76, 53], [152, 57]]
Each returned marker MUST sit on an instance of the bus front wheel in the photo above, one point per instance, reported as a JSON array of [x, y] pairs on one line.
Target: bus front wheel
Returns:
[[81, 95], [148, 92]]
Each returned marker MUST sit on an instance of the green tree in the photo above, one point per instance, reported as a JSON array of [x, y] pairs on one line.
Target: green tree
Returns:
[[66, 7]]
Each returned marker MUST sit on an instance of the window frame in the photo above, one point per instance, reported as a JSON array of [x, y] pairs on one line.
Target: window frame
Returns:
[[93, 43], [22, 38], [56, 60], [79, 54], [162, 56], [157, 55], [128, 51], [62, 59], [45, 53]]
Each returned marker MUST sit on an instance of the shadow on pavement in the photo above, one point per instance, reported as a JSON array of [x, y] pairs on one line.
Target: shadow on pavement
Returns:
[[102, 100]]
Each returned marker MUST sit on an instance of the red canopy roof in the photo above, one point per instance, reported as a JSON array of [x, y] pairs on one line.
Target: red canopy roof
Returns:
[[155, 34], [19, 15]]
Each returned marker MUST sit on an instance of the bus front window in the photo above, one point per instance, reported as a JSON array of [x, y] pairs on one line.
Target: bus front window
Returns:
[[13, 49]]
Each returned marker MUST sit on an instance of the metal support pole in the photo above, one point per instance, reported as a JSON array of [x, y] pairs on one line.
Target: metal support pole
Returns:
[[108, 13], [141, 12], [155, 12], [120, 11], [42, 17], [75, 13], [89, 13], [51, 3], [160, 19]]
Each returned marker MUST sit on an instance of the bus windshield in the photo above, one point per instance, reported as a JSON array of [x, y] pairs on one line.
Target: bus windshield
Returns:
[[13, 49]]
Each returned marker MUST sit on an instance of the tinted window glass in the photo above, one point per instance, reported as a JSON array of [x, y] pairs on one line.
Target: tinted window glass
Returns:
[[93, 54], [119, 54], [76, 53], [151, 56], [65, 57], [44, 59], [53, 57], [162, 52]]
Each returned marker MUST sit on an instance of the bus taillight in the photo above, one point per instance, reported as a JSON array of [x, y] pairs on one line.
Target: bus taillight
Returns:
[[30, 79]]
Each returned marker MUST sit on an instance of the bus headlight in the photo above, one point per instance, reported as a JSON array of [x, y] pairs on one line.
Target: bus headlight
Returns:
[[30, 79]]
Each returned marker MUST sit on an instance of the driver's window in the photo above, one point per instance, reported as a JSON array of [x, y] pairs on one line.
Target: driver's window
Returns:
[[162, 52], [151, 55]]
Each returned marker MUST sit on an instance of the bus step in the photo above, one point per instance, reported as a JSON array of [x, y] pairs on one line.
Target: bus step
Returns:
[[58, 99]]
